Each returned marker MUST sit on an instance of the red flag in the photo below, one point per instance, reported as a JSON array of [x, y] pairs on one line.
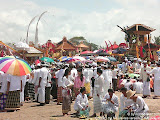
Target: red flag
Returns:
[[2, 53], [111, 47], [151, 57], [141, 52], [107, 46]]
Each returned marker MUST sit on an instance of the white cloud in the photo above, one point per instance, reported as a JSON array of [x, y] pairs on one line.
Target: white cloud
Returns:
[[95, 26]]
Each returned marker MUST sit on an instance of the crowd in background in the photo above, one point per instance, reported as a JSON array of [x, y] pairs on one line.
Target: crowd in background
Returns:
[[81, 82]]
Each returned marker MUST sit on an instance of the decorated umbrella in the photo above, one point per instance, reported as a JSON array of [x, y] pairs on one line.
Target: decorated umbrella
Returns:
[[87, 53], [102, 59], [155, 118], [112, 59], [79, 58], [14, 66], [158, 51], [66, 59], [63, 58], [132, 75], [47, 59]]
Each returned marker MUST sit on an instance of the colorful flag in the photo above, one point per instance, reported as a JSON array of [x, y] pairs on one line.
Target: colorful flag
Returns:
[[137, 50], [142, 51], [107, 46]]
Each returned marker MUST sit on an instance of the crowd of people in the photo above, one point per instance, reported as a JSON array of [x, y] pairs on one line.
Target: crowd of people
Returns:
[[81, 82]]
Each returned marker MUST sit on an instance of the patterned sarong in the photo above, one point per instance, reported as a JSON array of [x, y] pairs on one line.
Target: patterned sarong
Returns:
[[66, 106], [13, 99], [59, 94], [31, 91], [3, 99]]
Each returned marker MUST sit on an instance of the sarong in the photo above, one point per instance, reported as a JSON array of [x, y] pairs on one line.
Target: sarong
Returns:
[[146, 88], [13, 99], [66, 106], [59, 94], [97, 102], [31, 91], [3, 99], [47, 94]]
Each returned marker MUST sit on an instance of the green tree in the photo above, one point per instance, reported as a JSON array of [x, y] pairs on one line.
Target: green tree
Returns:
[[77, 40], [157, 40]]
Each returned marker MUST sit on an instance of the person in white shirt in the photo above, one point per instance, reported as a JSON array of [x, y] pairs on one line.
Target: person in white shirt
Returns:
[[156, 73], [22, 92], [48, 88], [124, 66], [138, 87], [146, 79], [114, 78], [14, 87], [124, 102], [59, 76], [128, 84], [42, 84], [66, 92], [98, 92], [134, 65], [141, 107], [35, 79], [73, 72], [81, 103], [112, 104], [107, 74], [87, 80]]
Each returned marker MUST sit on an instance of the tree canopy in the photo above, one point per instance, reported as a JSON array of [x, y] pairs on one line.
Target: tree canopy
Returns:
[[77, 40], [157, 40]]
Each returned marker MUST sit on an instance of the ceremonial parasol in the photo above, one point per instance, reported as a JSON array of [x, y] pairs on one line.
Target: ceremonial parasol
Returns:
[[102, 59], [14, 66], [132, 75], [47, 59], [112, 59]]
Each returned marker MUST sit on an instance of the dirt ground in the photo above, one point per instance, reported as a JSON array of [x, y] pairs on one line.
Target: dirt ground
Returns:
[[54, 112]]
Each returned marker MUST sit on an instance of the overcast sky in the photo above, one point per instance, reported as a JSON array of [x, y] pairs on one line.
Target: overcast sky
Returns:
[[96, 20]]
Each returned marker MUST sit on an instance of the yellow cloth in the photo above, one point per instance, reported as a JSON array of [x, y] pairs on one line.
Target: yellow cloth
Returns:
[[87, 86]]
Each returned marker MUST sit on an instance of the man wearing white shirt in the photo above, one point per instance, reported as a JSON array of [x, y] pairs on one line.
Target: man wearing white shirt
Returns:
[[138, 87], [14, 87], [60, 75], [124, 66], [156, 73], [112, 106], [35, 80], [144, 77], [124, 102], [48, 89], [23, 78], [114, 78], [81, 102], [107, 74], [134, 64], [87, 80], [42, 84]]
